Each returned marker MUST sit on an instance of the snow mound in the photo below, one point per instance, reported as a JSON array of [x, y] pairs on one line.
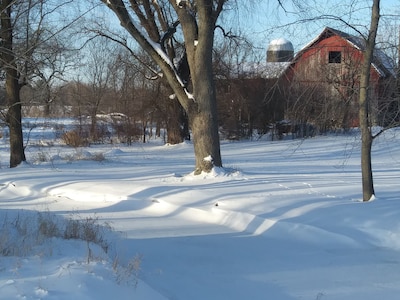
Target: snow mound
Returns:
[[216, 172], [115, 152]]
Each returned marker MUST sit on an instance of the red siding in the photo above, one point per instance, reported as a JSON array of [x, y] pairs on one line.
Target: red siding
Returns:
[[340, 80], [313, 62]]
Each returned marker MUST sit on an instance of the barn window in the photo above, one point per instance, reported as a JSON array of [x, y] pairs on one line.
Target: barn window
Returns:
[[335, 57]]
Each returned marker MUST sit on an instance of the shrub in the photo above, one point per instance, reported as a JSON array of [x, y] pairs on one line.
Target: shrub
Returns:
[[99, 157], [20, 235], [75, 139], [42, 157], [16, 236], [127, 132], [48, 225], [129, 272], [59, 130], [101, 134], [88, 229]]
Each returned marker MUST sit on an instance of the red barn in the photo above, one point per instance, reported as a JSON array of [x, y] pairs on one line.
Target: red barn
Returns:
[[323, 81], [311, 92]]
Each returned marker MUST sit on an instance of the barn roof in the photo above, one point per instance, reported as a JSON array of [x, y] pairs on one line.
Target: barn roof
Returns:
[[383, 64], [274, 70]]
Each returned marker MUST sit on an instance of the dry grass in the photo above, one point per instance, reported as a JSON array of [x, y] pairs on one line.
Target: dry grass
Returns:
[[21, 235], [74, 139]]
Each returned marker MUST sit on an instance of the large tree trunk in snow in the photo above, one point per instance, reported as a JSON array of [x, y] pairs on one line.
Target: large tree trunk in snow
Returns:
[[365, 122], [206, 145], [203, 120]]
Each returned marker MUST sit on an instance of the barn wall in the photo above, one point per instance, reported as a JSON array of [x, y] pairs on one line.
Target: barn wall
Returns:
[[334, 82], [313, 64]]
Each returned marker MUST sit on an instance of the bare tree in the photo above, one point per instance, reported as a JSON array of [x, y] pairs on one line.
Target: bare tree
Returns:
[[13, 86], [241, 88], [124, 77], [26, 38], [98, 72], [137, 94], [364, 100], [197, 20], [53, 61]]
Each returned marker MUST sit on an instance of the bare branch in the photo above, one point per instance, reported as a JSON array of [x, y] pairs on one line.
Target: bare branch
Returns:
[[125, 45]]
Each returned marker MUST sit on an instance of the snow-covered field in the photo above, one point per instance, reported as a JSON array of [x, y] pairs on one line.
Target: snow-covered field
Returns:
[[283, 221]]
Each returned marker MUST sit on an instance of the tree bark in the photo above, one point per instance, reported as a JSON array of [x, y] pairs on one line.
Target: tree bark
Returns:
[[14, 118], [204, 121], [176, 123], [364, 104], [17, 153]]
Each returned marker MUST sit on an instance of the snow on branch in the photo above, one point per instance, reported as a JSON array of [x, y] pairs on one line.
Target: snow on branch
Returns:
[[181, 3], [142, 37], [157, 48]]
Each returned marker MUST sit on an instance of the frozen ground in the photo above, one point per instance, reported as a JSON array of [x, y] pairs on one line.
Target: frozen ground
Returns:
[[283, 221]]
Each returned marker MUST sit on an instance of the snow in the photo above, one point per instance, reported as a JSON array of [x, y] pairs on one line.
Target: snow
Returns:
[[283, 220], [180, 3], [274, 69], [280, 44], [208, 158]]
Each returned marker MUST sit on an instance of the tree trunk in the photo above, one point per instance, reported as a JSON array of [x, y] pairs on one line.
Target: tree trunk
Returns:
[[17, 154], [206, 146], [204, 123], [47, 109], [173, 123], [365, 124], [366, 166], [47, 100], [203, 118]]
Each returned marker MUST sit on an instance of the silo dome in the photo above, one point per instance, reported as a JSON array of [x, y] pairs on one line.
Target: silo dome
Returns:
[[280, 50]]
